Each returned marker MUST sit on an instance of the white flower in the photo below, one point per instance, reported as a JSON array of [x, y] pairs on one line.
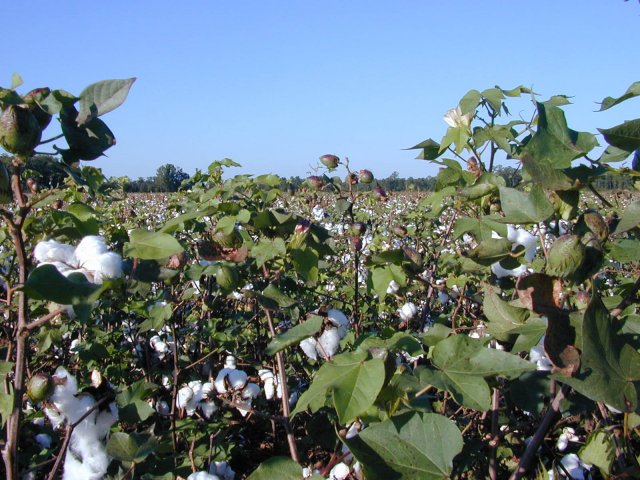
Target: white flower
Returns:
[[456, 119]]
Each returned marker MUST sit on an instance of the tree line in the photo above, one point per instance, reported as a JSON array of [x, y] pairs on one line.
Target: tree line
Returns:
[[49, 172]]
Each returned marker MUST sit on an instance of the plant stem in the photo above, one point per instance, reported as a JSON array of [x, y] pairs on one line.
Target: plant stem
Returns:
[[293, 449], [493, 443]]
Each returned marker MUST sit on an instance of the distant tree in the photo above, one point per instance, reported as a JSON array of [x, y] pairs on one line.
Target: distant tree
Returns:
[[169, 178], [45, 169]]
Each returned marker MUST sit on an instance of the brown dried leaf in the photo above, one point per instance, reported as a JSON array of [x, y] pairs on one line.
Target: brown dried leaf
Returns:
[[540, 293]]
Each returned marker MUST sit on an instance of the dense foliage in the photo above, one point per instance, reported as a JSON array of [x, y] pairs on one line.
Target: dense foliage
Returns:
[[239, 328]]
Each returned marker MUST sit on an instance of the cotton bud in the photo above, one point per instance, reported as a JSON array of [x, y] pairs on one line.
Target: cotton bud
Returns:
[[20, 131], [329, 161], [351, 178], [32, 99], [316, 182], [408, 311], [40, 387], [365, 176], [393, 287], [565, 256]]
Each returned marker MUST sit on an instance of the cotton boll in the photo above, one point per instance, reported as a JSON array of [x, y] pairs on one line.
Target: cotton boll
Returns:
[[43, 440], [574, 466], [329, 342], [104, 420], [244, 407], [50, 251], [538, 356], [208, 408], [230, 362], [562, 443], [222, 470], [86, 459], [408, 311], [251, 391], [338, 318], [339, 472], [109, 265], [393, 287], [185, 395], [237, 379], [220, 383], [202, 476], [308, 346], [269, 383], [89, 248], [163, 408]]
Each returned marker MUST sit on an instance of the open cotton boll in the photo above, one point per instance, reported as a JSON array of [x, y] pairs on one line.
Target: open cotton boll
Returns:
[[237, 379], [329, 342], [223, 470], [85, 459], [109, 265], [408, 311], [202, 476], [538, 356], [230, 362], [500, 272], [339, 472], [250, 391], [208, 408], [49, 251], [163, 408], [338, 318], [89, 248], [185, 395], [393, 287], [309, 347]]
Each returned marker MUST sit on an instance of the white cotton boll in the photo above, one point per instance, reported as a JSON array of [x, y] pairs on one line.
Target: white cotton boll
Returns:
[[443, 298], [104, 420], [84, 403], [163, 408], [222, 470], [208, 390], [43, 440], [185, 395], [108, 266], [250, 391], [244, 407], [339, 472], [208, 408], [574, 466], [562, 443], [308, 346], [265, 374], [393, 287], [230, 362], [237, 379], [50, 251], [202, 476], [408, 311], [500, 272], [293, 399], [86, 459], [329, 342], [538, 356], [338, 318], [612, 409], [89, 248], [269, 388], [220, 383], [56, 418]]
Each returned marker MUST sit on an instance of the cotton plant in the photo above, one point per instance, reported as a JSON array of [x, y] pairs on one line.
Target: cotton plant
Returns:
[[86, 456], [519, 237], [91, 257], [232, 382], [327, 344]]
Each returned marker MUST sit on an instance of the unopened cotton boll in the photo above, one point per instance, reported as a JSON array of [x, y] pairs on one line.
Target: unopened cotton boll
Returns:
[[408, 311], [329, 342], [309, 347], [49, 251]]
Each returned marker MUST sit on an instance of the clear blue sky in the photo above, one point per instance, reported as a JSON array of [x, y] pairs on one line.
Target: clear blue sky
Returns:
[[275, 84]]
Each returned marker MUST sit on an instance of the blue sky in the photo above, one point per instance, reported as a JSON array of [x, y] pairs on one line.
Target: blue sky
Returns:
[[275, 84]]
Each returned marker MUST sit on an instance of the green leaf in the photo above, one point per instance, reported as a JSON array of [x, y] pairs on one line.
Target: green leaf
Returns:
[[626, 250], [282, 468], [6, 406], [490, 251], [522, 208], [468, 390], [134, 447], [132, 402], [267, 249], [629, 219], [600, 450], [382, 276], [610, 367], [47, 283], [470, 101], [305, 263], [613, 154], [147, 245], [353, 379], [102, 97], [502, 317], [411, 446], [274, 293], [554, 143], [625, 136], [456, 135], [295, 335], [16, 81], [632, 91], [430, 149]]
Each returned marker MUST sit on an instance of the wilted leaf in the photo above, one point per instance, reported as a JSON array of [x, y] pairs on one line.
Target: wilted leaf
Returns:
[[540, 293], [559, 343]]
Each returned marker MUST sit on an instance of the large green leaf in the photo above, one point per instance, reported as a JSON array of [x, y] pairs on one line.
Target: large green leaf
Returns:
[[102, 97], [147, 245], [525, 208], [411, 446], [554, 143], [600, 450], [295, 335], [353, 380], [267, 249], [47, 283], [502, 317], [625, 136], [133, 406], [430, 149], [610, 367], [133, 447], [282, 468], [463, 362], [632, 91], [380, 277]]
